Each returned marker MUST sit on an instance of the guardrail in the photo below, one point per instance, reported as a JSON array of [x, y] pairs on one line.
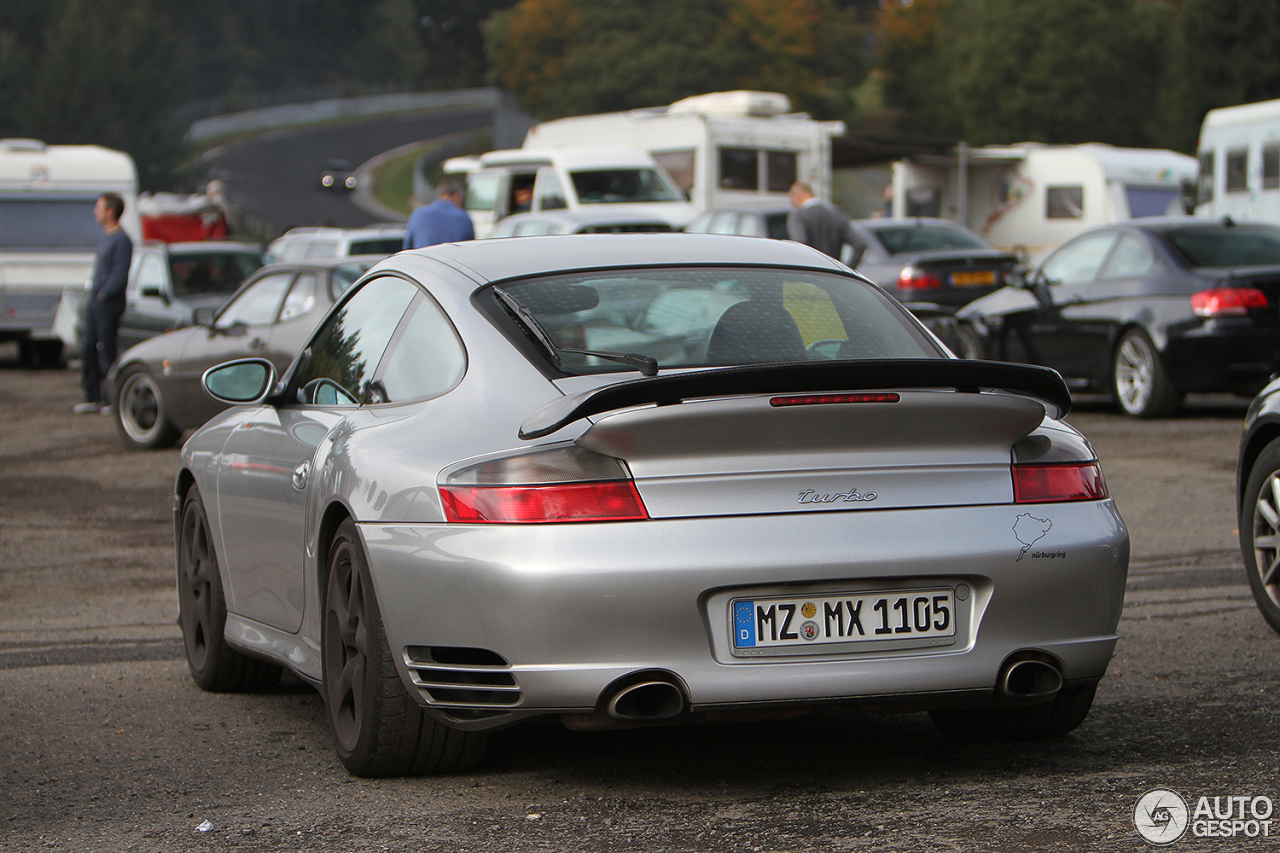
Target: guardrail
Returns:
[[291, 115]]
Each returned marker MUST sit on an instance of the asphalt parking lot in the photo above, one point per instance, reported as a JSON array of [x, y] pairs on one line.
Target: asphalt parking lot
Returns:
[[107, 745]]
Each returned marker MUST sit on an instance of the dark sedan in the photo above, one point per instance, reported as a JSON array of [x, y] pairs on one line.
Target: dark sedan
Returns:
[[928, 260], [1148, 310], [1258, 501], [157, 383]]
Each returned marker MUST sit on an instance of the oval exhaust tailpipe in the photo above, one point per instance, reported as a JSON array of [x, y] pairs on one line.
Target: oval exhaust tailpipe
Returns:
[[1031, 679], [648, 700]]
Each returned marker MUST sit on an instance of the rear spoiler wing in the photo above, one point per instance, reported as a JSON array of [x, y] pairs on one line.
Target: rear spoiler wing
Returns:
[[966, 375]]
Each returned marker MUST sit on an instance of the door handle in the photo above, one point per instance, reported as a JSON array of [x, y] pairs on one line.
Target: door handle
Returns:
[[300, 472]]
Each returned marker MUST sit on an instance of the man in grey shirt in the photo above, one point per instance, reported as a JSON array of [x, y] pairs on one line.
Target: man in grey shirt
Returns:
[[816, 223], [105, 305]]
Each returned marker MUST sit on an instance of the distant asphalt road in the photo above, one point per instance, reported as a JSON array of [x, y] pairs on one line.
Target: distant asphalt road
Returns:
[[275, 176]]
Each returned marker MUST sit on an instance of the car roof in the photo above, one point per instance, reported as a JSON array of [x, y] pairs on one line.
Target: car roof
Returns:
[[198, 246], [617, 213], [899, 221], [383, 228], [495, 260], [322, 263]]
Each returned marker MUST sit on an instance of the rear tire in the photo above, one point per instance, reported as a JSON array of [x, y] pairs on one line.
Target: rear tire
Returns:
[[202, 608], [1058, 716], [1260, 533], [378, 728], [1138, 379], [141, 416]]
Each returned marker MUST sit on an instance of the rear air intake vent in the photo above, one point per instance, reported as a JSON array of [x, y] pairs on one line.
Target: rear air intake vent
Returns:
[[462, 678]]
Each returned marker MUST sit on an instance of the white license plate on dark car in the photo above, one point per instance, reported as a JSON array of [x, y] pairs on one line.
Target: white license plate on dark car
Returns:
[[829, 623]]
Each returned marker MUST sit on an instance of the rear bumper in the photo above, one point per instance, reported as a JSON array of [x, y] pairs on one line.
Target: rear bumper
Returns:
[[571, 608], [1221, 355]]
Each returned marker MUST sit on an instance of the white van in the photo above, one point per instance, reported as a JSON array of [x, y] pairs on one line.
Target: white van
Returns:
[[723, 149], [522, 179], [48, 233], [1239, 155], [1031, 198]]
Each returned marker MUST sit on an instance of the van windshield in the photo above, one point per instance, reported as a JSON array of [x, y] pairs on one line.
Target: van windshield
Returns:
[[48, 224], [622, 186]]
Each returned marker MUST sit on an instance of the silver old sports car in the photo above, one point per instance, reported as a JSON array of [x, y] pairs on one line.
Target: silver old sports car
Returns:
[[632, 479]]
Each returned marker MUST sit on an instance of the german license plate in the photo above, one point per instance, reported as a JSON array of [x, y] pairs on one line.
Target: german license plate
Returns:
[[882, 619], [973, 278]]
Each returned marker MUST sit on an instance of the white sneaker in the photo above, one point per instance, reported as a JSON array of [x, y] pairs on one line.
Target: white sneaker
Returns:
[[84, 408]]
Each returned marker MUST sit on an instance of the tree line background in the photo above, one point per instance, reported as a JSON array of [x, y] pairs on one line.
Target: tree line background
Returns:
[[132, 74]]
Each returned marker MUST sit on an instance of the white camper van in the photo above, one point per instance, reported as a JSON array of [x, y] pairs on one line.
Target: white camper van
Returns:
[[48, 232], [1240, 162], [723, 149], [1032, 197], [522, 179]]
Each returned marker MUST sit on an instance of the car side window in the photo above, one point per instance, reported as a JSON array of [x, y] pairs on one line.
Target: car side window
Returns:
[[294, 250], [301, 298], [346, 350], [151, 274], [424, 360], [257, 305], [1130, 258], [1078, 262]]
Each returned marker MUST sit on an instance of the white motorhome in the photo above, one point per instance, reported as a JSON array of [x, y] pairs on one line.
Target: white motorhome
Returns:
[[1031, 197], [1239, 155], [723, 149], [522, 179], [48, 232]]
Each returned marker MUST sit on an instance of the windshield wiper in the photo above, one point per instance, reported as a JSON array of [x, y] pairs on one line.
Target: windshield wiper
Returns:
[[647, 365]]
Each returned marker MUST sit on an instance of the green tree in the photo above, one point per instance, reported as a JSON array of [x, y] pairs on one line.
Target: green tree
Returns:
[[1221, 53], [106, 73], [1056, 71], [566, 57]]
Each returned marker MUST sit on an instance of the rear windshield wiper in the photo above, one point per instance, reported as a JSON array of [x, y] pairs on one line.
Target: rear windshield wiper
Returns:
[[647, 365]]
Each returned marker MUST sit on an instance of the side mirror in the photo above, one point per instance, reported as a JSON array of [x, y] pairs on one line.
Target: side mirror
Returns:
[[242, 382], [155, 293], [203, 317]]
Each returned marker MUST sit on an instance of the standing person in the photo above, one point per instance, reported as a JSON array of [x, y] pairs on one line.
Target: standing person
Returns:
[[442, 221], [106, 303], [816, 223]]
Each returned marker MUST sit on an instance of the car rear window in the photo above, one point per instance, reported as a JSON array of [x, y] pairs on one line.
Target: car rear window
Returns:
[[1220, 246], [926, 238], [377, 246], [211, 272], [702, 317]]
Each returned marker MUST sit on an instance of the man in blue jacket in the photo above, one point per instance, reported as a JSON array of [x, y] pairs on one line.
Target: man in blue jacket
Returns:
[[442, 221], [106, 303]]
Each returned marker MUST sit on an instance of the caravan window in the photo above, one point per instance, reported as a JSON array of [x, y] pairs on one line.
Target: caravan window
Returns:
[[738, 170], [58, 224], [1271, 167], [1238, 170], [1064, 202], [617, 186], [781, 170], [1204, 187]]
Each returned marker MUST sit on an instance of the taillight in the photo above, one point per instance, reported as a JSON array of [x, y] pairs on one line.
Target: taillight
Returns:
[[914, 278], [1227, 301], [563, 484], [1077, 481]]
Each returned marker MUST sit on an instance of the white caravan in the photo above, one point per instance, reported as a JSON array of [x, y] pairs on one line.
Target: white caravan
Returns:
[[522, 179], [48, 232], [1240, 162], [723, 149], [1031, 198]]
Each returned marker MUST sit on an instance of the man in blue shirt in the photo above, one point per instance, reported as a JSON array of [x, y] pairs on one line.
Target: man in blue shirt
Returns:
[[442, 221], [105, 304]]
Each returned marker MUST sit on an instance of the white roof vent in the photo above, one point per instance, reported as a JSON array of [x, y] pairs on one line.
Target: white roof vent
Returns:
[[742, 102], [34, 145]]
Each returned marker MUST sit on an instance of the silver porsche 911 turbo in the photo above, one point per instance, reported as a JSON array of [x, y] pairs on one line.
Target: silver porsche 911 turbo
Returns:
[[635, 479]]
